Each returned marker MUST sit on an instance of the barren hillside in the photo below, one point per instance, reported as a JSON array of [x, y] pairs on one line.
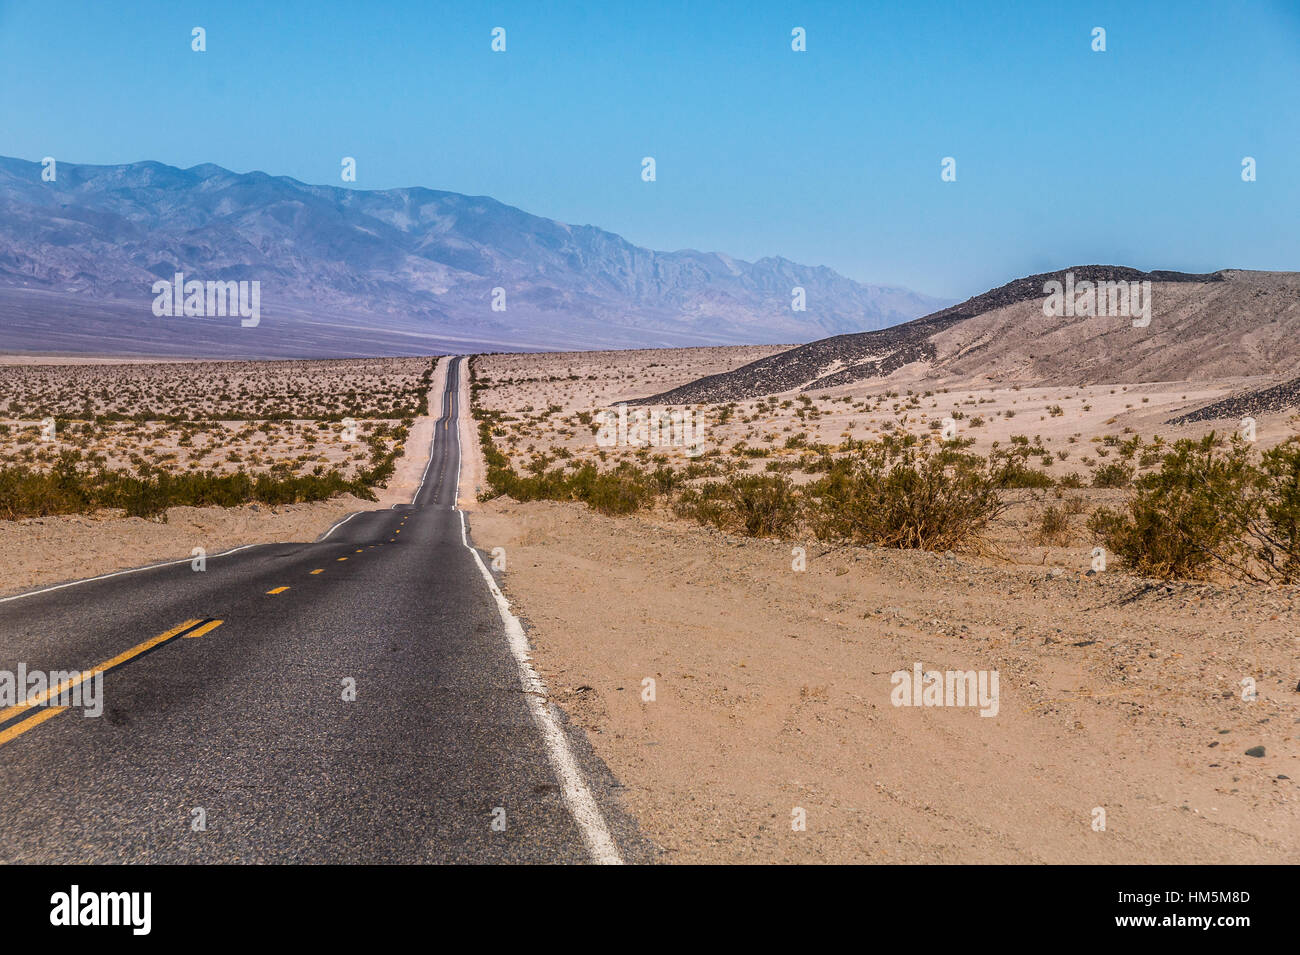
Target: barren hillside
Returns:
[[1225, 324]]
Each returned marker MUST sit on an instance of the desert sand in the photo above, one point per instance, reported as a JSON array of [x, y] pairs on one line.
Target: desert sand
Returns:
[[773, 692], [1123, 723]]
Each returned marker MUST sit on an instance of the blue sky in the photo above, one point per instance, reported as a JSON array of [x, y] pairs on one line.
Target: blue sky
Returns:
[[831, 156]]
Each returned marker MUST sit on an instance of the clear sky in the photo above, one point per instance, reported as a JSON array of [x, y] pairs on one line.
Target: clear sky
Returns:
[[831, 156]]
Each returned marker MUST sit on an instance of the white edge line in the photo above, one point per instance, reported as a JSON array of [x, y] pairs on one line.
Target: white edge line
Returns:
[[119, 573], [337, 526], [577, 797]]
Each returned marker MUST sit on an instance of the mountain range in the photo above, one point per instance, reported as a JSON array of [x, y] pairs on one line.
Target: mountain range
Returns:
[[345, 271]]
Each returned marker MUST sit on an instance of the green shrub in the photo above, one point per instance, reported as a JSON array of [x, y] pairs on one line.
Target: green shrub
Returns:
[[1189, 517], [1019, 475], [1276, 531], [908, 492], [68, 489], [759, 505], [1053, 526], [1115, 474]]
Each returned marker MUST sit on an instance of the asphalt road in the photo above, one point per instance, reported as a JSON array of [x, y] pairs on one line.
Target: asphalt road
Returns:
[[244, 726]]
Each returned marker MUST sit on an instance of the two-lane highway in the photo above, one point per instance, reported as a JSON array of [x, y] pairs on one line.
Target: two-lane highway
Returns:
[[354, 699]]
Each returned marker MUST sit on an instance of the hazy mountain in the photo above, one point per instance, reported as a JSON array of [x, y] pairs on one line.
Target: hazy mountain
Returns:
[[1225, 324], [346, 271]]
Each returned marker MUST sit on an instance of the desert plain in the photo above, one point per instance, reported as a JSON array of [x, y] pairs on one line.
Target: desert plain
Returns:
[[740, 688]]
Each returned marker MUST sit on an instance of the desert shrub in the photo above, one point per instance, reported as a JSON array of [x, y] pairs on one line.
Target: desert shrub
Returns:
[[759, 505], [665, 479], [69, 489], [1053, 526], [909, 492], [620, 490], [1021, 475], [1276, 528], [696, 470], [1189, 517], [1074, 506], [1115, 474]]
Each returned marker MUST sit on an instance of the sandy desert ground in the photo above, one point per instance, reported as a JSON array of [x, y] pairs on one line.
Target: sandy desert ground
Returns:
[[772, 686], [222, 417], [773, 692], [552, 412]]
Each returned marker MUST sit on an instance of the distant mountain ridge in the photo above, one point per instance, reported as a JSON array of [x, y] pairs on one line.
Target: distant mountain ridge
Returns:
[[399, 268], [1226, 323]]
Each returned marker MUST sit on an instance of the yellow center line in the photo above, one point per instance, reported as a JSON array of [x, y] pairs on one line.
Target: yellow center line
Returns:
[[342, 558], [206, 628], [277, 590], [319, 571], [25, 725], [39, 698]]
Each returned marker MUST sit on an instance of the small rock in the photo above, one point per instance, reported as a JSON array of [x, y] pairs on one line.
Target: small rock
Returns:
[[1256, 751]]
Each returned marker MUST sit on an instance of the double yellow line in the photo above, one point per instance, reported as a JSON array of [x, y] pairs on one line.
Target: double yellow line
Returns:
[[20, 712]]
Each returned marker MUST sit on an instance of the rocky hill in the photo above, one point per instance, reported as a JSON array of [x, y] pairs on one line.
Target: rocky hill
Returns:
[[1222, 324]]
